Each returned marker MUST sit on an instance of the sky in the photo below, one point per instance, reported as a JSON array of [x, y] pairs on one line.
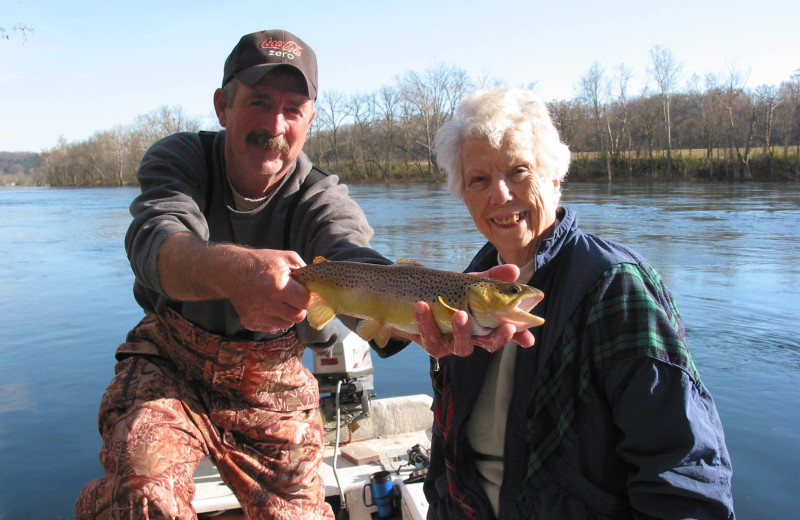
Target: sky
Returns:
[[91, 66]]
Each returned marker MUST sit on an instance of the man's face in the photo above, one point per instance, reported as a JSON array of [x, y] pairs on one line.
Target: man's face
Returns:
[[266, 127]]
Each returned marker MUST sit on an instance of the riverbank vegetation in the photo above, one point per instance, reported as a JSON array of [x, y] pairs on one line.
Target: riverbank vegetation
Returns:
[[702, 128]]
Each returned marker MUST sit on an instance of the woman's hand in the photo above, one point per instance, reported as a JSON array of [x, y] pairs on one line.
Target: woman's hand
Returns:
[[462, 342]]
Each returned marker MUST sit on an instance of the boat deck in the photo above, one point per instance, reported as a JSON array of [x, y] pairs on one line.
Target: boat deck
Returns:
[[382, 441]]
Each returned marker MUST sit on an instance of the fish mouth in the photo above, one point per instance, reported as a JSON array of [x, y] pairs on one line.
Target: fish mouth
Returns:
[[519, 315], [489, 313], [529, 302], [509, 220]]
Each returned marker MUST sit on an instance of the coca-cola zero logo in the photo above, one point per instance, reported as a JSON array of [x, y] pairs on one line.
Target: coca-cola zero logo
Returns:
[[285, 49]]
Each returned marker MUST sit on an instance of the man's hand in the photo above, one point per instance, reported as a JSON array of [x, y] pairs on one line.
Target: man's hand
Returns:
[[463, 343], [263, 292], [257, 282]]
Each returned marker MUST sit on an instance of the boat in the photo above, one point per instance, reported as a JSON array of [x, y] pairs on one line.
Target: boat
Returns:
[[363, 436]]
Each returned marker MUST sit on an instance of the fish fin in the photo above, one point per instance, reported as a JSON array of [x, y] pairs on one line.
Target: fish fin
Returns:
[[443, 315], [370, 329], [383, 336], [407, 261], [367, 328], [320, 312], [320, 259], [444, 303]]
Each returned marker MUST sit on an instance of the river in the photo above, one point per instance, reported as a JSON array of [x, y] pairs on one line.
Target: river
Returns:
[[730, 253]]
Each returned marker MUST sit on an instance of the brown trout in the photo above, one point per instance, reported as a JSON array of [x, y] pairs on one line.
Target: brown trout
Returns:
[[383, 296]]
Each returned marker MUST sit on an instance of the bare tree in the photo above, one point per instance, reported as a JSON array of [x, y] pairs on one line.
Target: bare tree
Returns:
[[434, 95], [120, 145], [665, 72], [362, 110], [55, 167], [792, 88], [164, 121], [741, 120], [332, 113], [702, 103], [593, 91], [388, 104], [19, 30], [621, 111], [408, 137], [645, 116], [767, 99], [568, 115]]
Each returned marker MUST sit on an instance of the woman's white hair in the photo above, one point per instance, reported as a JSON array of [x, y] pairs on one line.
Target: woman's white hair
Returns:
[[491, 114]]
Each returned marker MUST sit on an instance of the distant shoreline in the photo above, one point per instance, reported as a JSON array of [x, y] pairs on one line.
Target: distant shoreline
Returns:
[[17, 169]]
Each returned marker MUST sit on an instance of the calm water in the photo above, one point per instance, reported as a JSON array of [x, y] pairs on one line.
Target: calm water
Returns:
[[730, 254]]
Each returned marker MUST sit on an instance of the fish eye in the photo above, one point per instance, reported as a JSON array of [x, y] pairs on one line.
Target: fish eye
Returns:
[[514, 289]]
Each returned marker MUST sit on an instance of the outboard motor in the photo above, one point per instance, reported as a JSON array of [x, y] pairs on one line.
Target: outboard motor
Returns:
[[345, 373]]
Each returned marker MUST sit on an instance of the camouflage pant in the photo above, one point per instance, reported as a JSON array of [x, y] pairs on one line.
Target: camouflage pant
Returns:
[[180, 394]]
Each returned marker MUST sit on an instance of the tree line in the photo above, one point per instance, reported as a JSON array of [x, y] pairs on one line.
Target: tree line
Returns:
[[720, 128], [112, 157], [704, 127]]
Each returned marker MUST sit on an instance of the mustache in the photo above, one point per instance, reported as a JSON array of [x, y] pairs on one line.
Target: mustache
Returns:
[[275, 143]]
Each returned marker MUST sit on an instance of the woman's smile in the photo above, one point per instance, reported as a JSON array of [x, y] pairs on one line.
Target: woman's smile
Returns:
[[508, 220]]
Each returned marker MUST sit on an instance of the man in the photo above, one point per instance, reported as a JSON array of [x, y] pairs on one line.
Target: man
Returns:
[[215, 367]]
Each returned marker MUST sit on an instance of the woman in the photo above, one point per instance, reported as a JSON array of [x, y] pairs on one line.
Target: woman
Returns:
[[606, 416]]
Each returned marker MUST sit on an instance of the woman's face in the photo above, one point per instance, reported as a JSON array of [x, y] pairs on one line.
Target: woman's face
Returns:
[[511, 204]]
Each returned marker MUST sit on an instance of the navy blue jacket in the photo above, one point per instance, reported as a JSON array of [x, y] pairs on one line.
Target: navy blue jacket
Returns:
[[608, 417]]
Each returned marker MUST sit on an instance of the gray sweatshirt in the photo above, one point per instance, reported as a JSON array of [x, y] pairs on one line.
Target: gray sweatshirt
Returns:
[[175, 181]]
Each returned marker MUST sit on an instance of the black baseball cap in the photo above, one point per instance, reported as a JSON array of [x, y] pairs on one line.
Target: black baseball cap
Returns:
[[260, 52]]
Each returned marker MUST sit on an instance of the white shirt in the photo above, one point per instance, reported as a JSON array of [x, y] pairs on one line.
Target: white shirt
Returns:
[[486, 427]]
